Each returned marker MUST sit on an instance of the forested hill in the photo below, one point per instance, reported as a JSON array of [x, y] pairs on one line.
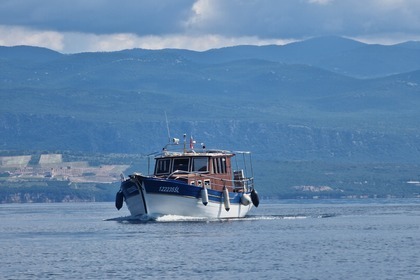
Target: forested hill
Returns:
[[324, 98], [328, 115]]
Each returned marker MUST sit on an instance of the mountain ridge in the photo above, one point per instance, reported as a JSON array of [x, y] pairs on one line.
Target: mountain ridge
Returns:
[[102, 95], [336, 54], [325, 112]]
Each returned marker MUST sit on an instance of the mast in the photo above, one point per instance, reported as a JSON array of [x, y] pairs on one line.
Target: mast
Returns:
[[167, 128]]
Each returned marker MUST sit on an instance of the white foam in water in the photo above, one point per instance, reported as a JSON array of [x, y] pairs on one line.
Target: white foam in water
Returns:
[[176, 218], [275, 217], [258, 218], [295, 217]]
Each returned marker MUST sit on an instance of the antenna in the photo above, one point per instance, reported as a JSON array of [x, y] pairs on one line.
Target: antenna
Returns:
[[167, 128]]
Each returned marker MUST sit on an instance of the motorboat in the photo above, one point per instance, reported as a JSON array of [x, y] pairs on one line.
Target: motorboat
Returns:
[[192, 182]]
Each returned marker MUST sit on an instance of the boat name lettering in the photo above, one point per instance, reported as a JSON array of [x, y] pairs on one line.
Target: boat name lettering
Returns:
[[169, 189]]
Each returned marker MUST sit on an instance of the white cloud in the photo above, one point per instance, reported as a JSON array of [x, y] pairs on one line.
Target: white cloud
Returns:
[[107, 25], [204, 11], [74, 42], [115, 42], [88, 42], [386, 39], [15, 35]]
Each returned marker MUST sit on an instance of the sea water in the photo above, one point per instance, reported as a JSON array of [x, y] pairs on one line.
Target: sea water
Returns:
[[291, 239]]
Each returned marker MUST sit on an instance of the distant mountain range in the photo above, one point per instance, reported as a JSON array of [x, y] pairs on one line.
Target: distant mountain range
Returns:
[[335, 54], [327, 98], [327, 113]]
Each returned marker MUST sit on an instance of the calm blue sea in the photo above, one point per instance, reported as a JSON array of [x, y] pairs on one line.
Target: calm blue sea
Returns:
[[292, 239]]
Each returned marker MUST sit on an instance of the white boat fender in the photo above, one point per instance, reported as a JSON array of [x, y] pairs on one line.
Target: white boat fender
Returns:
[[204, 196], [226, 199], [254, 197], [246, 199], [119, 199]]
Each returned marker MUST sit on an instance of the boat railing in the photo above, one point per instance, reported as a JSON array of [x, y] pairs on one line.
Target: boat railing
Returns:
[[238, 184], [177, 172]]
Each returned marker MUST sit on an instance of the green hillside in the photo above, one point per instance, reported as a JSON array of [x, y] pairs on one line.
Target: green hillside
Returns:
[[304, 102]]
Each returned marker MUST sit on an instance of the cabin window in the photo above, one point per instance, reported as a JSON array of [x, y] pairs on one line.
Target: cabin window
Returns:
[[199, 164], [162, 166], [181, 164], [219, 165]]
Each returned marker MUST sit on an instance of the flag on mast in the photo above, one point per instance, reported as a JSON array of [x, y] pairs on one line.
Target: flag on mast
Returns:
[[192, 142]]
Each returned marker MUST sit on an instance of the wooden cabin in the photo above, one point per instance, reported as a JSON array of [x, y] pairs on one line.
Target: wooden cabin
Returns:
[[212, 169]]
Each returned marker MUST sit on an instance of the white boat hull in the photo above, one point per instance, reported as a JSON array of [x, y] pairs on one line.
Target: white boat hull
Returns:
[[165, 198], [158, 204]]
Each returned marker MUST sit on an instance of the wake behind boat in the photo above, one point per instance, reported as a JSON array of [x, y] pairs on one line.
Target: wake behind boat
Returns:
[[192, 183]]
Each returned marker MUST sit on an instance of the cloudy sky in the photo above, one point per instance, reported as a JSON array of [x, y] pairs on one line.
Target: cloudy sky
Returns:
[[71, 26]]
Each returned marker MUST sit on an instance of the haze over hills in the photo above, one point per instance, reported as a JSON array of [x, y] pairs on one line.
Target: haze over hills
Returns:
[[324, 99]]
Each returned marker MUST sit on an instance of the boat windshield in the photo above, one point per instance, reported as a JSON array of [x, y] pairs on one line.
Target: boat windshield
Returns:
[[181, 164], [199, 164], [190, 164]]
